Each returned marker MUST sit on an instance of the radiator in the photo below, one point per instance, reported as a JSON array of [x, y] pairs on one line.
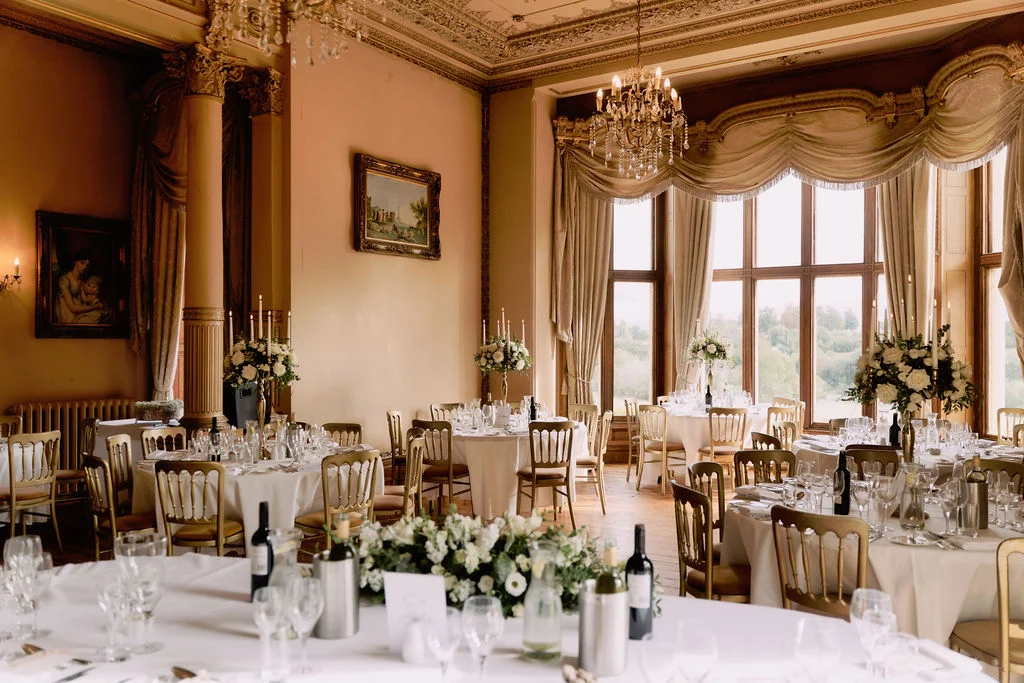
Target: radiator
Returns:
[[67, 416]]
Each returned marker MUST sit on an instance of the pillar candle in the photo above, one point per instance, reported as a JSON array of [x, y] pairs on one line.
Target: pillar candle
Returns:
[[251, 335], [696, 332], [485, 332]]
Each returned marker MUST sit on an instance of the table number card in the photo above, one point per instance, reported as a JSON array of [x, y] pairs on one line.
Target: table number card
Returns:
[[408, 597]]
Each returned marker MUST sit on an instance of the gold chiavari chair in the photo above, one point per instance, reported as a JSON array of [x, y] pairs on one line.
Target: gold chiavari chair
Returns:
[[998, 642], [442, 412], [699, 575], [635, 445], [1014, 470], [393, 505], [728, 427], [1018, 436], [349, 485], [763, 467], [71, 481], [786, 433], [192, 496], [800, 408], [709, 478], [32, 478], [9, 424], [654, 442], [835, 424], [888, 459], [588, 415], [592, 465], [106, 520], [163, 439], [805, 552], [397, 449], [119, 455], [346, 433], [1007, 420], [550, 463], [439, 471], [761, 442], [778, 414]]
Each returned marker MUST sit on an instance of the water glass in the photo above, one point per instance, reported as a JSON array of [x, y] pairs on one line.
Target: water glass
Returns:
[[269, 614], [696, 650], [816, 649], [116, 602], [146, 587], [443, 639], [860, 492], [482, 624], [658, 661], [949, 496], [790, 486], [305, 603]]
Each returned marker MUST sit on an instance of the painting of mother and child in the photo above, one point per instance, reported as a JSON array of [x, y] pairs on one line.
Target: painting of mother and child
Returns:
[[87, 282]]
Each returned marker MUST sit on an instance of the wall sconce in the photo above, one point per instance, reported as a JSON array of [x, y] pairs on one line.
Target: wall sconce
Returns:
[[8, 280]]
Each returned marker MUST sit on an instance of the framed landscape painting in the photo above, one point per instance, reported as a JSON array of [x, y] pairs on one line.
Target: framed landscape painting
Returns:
[[397, 210], [83, 276]]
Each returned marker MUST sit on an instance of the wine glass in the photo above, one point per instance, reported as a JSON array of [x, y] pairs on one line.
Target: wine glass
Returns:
[[268, 612], [860, 491], [817, 648], [879, 636], [482, 624], [658, 661], [22, 551], [696, 650], [949, 495], [928, 475], [305, 603], [116, 602], [443, 639], [37, 582], [147, 588]]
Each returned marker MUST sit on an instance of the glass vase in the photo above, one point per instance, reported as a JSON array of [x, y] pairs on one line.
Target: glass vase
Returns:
[[912, 498], [542, 606]]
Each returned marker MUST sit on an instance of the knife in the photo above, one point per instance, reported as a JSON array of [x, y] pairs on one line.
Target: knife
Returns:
[[30, 649], [74, 676]]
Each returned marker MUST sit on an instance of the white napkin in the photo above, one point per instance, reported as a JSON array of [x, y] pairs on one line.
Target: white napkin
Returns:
[[44, 667], [748, 492]]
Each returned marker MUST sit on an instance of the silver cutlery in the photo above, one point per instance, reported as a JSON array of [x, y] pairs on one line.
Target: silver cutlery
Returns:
[[74, 676]]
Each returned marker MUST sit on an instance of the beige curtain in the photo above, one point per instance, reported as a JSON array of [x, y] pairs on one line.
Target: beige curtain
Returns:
[[691, 265], [158, 230], [583, 243], [1011, 281], [908, 239]]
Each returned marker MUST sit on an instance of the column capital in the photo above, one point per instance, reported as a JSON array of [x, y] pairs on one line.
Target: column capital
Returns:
[[204, 71], [262, 87]]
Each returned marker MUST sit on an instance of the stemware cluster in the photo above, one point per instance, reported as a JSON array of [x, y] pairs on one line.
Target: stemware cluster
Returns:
[[873, 618], [280, 610], [688, 656], [129, 599], [24, 579]]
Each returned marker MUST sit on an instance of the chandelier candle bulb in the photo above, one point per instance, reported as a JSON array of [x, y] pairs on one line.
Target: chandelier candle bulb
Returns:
[[17, 267]]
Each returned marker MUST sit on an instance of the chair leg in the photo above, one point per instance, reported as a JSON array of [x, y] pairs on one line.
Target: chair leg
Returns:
[[572, 515], [639, 469], [519, 496], [600, 488], [664, 472], [629, 459], [56, 529]]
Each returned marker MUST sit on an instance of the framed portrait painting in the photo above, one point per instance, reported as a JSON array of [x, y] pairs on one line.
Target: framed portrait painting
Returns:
[[83, 276], [396, 208]]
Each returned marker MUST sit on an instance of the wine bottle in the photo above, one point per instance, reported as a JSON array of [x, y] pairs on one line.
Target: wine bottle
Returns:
[[533, 409], [841, 487], [640, 583], [214, 442], [610, 580], [894, 432], [260, 558], [708, 399], [341, 548]]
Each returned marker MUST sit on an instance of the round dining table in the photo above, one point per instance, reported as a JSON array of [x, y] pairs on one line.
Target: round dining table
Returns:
[[205, 623]]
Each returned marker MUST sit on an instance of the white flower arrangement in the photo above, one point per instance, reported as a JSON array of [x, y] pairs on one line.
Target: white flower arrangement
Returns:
[[474, 557], [899, 371], [709, 347], [503, 354], [260, 359]]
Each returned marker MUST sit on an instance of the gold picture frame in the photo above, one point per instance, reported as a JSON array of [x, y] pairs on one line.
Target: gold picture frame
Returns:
[[397, 209]]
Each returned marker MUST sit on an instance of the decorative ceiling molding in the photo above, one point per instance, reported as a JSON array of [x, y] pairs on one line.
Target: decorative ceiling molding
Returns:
[[71, 33]]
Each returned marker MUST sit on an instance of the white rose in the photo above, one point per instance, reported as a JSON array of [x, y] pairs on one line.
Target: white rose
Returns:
[[515, 584], [520, 364], [486, 584], [249, 373], [918, 380], [892, 354], [886, 393], [712, 348], [498, 356], [237, 358], [278, 369]]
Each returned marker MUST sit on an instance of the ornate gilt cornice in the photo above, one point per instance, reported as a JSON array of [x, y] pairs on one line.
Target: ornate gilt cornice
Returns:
[[262, 88], [204, 71]]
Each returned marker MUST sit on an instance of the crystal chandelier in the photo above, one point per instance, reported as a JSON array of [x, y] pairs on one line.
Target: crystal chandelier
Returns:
[[641, 121]]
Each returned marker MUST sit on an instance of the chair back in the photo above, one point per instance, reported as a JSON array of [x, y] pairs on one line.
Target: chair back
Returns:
[[798, 405], [693, 534], [345, 433], [163, 439], [437, 436], [604, 432], [588, 415], [121, 470], [765, 467], [550, 445], [1013, 469], [86, 440], [728, 427], [395, 432], [32, 460], [1007, 420], [442, 411], [414, 472], [786, 433], [761, 441], [1018, 435], [708, 477], [778, 414], [888, 459], [632, 418], [349, 483], [191, 493], [653, 422], [99, 487], [835, 424], [1007, 629], [9, 424], [811, 562]]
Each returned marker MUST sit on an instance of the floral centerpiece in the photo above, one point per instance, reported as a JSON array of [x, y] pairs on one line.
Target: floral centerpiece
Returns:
[[475, 557], [260, 361], [503, 353], [707, 347]]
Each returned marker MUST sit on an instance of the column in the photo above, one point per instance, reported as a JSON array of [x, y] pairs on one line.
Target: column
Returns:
[[205, 73]]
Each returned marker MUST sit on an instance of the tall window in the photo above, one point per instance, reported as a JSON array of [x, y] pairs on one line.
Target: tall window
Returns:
[[631, 362], [796, 271]]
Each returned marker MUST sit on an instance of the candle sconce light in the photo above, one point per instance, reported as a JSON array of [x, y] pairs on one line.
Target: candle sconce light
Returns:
[[10, 280]]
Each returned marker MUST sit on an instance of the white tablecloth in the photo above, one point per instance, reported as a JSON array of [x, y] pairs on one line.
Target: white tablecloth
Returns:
[[205, 622], [290, 494], [823, 454], [932, 589], [493, 460], [132, 427]]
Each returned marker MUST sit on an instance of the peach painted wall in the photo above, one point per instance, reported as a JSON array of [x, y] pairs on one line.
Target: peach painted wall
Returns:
[[375, 332], [67, 147]]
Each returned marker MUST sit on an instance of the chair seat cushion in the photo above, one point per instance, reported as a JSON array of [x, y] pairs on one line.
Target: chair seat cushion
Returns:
[[440, 472], [70, 475], [554, 475], [388, 503], [315, 520], [130, 522], [26, 492], [719, 451], [395, 490], [728, 579], [984, 636], [207, 532], [655, 446], [586, 461]]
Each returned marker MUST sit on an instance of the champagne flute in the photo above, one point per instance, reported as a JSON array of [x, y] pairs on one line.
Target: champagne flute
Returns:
[[948, 498], [443, 639], [305, 603], [696, 650], [482, 624]]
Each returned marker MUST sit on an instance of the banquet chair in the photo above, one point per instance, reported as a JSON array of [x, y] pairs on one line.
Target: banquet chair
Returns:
[[888, 458], [32, 478], [763, 442], [1013, 469], [786, 433], [635, 444], [699, 575], [550, 464], [1018, 436], [9, 424], [71, 479], [800, 408], [777, 415], [1007, 420], [399, 501], [812, 565], [163, 439], [191, 494], [347, 433], [727, 428], [106, 519], [588, 415], [442, 411], [998, 642], [593, 464], [397, 449], [709, 478], [835, 424], [349, 482], [439, 470], [119, 455], [654, 441], [763, 467]]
